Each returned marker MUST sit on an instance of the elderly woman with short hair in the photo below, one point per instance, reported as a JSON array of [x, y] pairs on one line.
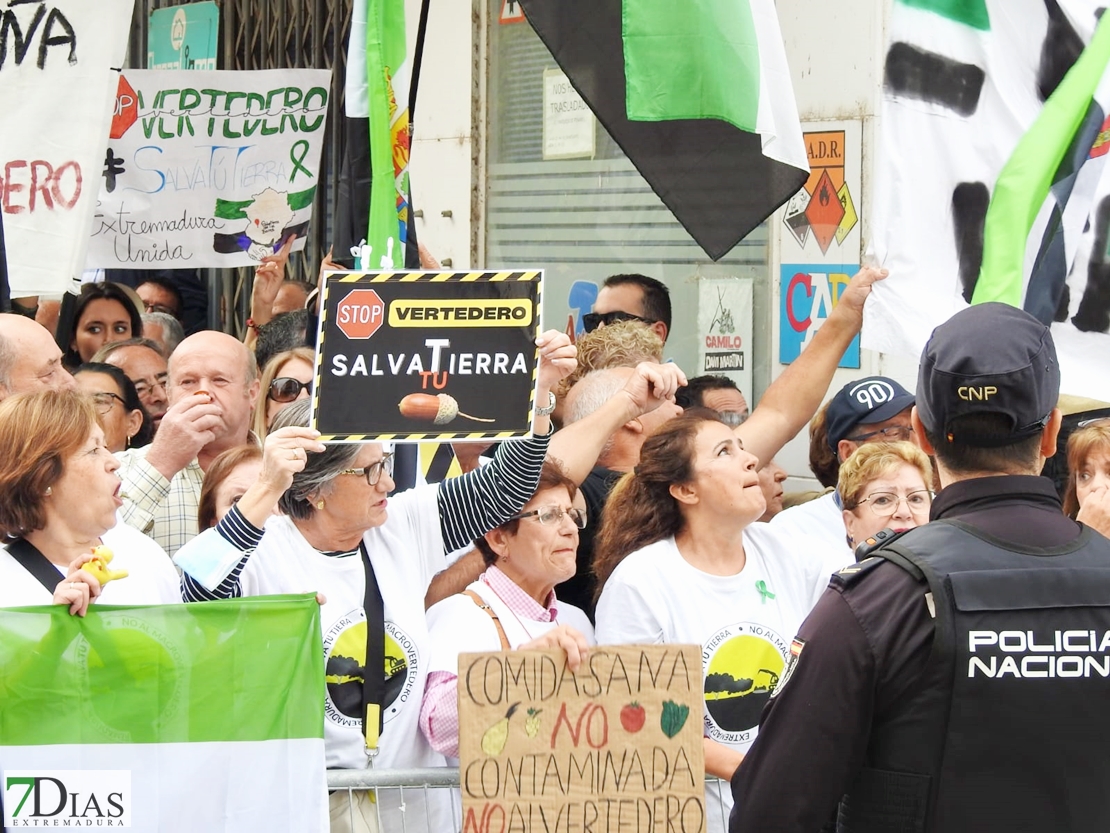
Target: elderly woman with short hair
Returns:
[[372, 559], [884, 486]]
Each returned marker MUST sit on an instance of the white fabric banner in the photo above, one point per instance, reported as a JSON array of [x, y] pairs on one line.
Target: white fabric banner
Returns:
[[56, 91], [209, 169], [958, 95]]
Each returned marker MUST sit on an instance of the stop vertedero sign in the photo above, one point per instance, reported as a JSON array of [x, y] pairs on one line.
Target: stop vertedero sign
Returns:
[[360, 314]]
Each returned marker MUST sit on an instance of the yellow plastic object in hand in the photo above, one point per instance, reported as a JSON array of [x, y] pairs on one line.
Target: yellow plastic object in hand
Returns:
[[98, 566]]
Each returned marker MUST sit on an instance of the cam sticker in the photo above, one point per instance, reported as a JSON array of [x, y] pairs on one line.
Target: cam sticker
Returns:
[[743, 664], [345, 649]]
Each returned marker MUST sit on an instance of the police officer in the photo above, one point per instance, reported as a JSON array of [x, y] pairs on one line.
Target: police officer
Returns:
[[957, 679]]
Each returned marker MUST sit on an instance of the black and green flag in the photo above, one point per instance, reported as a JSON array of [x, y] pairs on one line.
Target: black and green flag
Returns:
[[698, 96]]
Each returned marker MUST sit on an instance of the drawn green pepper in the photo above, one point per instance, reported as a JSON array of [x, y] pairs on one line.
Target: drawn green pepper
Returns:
[[673, 718]]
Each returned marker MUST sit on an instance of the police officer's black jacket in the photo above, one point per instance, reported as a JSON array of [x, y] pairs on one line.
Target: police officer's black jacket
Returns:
[[871, 689]]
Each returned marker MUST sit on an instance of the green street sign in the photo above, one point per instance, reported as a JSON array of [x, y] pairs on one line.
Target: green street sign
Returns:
[[184, 37]]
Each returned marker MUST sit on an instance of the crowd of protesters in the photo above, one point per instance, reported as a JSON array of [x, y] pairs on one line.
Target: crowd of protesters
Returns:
[[653, 514]]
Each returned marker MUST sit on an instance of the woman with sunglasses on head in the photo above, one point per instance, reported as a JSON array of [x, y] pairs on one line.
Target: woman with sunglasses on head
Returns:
[[286, 378], [512, 605], [119, 411], [884, 486], [372, 559]]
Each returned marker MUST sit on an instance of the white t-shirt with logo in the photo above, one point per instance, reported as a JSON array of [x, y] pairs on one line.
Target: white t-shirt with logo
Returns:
[[744, 623], [406, 552], [821, 518], [151, 580]]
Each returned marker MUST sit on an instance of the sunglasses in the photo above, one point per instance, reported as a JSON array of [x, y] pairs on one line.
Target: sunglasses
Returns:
[[373, 472], [592, 320], [287, 389]]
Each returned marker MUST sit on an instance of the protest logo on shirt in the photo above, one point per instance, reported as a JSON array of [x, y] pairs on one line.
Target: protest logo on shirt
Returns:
[[427, 355], [209, 170], [616, 745], [743, 664]]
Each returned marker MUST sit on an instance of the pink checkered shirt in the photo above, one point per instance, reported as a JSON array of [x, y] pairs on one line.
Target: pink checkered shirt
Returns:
[[439, 711]]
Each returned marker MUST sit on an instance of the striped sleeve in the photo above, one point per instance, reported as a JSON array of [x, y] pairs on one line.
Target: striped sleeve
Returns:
[[241, 534], [485, 498]]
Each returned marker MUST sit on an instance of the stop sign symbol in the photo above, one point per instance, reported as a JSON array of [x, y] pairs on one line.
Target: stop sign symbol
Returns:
[[360, 314], [126, 109]]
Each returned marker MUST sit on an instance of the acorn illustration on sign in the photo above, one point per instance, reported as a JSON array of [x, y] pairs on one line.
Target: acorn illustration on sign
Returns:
[[439, 409]]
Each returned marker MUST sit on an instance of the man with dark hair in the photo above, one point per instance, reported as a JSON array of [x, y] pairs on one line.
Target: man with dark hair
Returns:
[[160, 294], [284, 332], [956, 679], [627, 297], [717, 393]]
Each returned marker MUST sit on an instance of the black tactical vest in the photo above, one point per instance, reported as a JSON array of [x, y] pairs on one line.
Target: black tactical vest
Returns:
[[1009, 729]]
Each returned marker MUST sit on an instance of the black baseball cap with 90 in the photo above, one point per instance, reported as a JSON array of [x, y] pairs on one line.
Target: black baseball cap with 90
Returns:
[[864, 402], [988, 359]]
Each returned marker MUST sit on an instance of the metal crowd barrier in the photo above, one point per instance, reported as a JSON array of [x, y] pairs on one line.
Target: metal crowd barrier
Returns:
[[420, 782]]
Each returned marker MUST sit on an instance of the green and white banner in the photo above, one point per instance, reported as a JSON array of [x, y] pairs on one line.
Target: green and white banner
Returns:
[[175, 718]]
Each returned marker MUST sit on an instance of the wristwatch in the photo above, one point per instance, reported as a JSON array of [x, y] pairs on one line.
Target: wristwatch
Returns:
[[550, 409]]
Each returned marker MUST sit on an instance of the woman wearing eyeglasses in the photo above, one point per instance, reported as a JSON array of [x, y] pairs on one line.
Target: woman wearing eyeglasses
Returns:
[[372, 559], [512, 605], [286, 378], [884, 486], [121, 415]]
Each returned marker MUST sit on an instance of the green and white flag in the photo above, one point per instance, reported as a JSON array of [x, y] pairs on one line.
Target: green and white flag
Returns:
[[200, 717]]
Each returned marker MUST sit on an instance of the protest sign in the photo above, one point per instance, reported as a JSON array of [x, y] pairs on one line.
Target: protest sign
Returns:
[[426, 355], [212, 169], [56, 90], [615, 746]]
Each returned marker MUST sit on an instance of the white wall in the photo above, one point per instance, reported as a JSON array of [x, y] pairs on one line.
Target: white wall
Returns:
[[442, 168], [836, 54]]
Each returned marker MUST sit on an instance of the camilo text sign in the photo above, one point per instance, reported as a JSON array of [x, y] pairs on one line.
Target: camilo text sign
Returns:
[[616, 745]]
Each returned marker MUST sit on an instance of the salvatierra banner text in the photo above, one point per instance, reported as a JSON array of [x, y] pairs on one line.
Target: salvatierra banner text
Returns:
[[56, 86], [176, 718], [209, 169]]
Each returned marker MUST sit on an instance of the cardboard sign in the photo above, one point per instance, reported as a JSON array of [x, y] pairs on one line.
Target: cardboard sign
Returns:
[[213, 169], [615, 746], [56, 93], [427, 355]]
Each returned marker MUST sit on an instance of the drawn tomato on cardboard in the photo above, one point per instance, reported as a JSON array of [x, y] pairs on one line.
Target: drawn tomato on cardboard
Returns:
[[633, 717]]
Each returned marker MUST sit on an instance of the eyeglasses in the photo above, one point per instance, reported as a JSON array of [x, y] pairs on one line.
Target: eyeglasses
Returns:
[[892, 434], [732, 418], [287, 389], [373, 472], [885, 504], [592, 320], [548, 515], [144, 387], [104, 401], [160, 308]]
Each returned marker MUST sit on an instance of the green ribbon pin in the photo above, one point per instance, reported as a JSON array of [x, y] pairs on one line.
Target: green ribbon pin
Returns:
[[764, 593]]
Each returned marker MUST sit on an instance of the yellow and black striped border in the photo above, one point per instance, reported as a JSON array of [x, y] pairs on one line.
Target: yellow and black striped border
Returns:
[[336, 278]]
